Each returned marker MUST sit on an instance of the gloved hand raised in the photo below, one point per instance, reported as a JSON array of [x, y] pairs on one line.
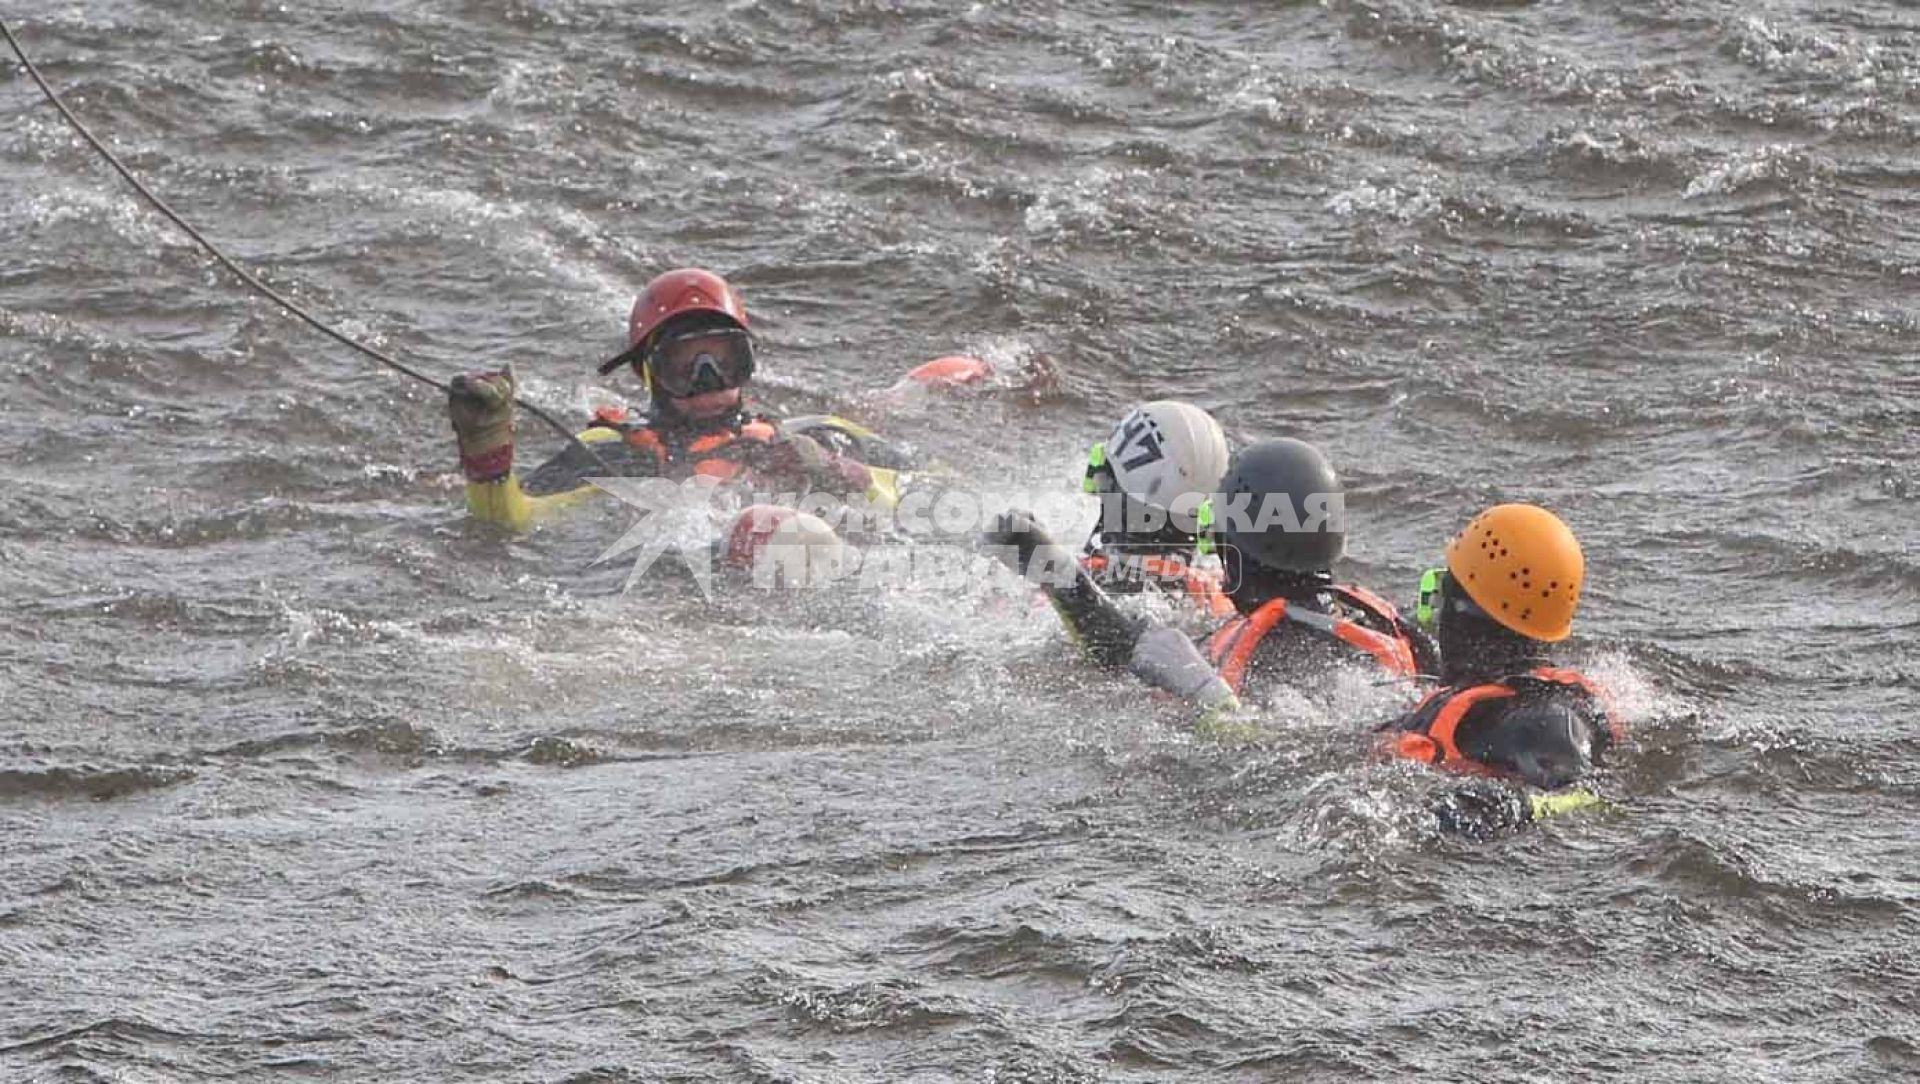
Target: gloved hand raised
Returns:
[[1105, 634], [480, 405], [1013, 537]]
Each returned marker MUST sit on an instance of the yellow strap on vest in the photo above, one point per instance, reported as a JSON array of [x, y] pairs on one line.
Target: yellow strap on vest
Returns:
[[829, 421]]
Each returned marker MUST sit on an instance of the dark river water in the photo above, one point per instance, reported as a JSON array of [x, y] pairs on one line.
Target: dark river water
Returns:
[[305, 776]]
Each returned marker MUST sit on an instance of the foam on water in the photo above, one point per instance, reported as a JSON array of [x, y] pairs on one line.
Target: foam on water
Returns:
[[127, 218], [551, 241], [1098, 202], [1639, 698], [1368, 200], [1850, 64], [1795, 168]]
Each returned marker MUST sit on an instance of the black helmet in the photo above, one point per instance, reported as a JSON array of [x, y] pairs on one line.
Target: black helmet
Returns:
[[1282, 507]]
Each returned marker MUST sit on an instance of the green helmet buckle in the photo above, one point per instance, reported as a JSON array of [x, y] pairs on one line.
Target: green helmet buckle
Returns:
[[1096, 462], [1203, 528], [1429, 595]]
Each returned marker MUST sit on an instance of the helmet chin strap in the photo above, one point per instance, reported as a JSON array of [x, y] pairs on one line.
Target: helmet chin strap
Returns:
[[1099, 477]]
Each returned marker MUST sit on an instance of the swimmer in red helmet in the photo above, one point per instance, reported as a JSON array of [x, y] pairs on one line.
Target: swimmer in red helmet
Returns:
[[690, 343]]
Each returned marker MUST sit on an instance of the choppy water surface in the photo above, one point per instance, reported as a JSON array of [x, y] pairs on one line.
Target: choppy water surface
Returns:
[[303, 775]]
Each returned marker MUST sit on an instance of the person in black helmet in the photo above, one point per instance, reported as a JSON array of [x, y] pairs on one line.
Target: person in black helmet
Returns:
[[1281, 519], [1280, 514]]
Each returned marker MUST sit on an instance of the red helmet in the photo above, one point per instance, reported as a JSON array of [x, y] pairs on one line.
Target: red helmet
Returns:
[[675, 293], [687, 290]]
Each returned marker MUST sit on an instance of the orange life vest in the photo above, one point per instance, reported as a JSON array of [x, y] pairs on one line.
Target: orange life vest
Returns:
[[1231, 648], [717, 455], [1202, 588], [1427, 733]]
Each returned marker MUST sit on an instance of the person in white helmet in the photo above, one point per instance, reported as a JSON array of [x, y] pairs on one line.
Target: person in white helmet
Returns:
[[1153, 475], [781, 547], [1283, 527]]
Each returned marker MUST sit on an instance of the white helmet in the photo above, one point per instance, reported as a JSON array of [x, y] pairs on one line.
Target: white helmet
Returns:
[[782, 546], [1167, 454]]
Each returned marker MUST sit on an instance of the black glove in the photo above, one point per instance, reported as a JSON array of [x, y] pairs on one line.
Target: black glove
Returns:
[[1014, 536], [1481, 811]]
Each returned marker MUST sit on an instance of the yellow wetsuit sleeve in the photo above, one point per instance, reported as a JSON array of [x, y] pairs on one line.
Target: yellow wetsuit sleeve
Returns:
[[517, 502], [509, 505]]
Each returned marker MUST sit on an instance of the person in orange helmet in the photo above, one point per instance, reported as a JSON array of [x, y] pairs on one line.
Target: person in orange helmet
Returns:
[[1503, 709], [690, 344]]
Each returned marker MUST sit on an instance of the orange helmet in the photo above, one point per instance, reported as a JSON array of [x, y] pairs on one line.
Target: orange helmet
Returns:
[[1520, 564], [671, 294]]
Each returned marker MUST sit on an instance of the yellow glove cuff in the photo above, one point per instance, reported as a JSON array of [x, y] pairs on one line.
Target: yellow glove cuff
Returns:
[[1564, 801]]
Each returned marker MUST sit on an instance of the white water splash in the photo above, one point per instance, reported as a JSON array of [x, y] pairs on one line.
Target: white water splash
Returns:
[[1777, 162]]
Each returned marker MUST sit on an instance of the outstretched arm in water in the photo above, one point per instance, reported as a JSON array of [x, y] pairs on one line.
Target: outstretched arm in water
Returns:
[[1162, 657], [1485, 808]]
